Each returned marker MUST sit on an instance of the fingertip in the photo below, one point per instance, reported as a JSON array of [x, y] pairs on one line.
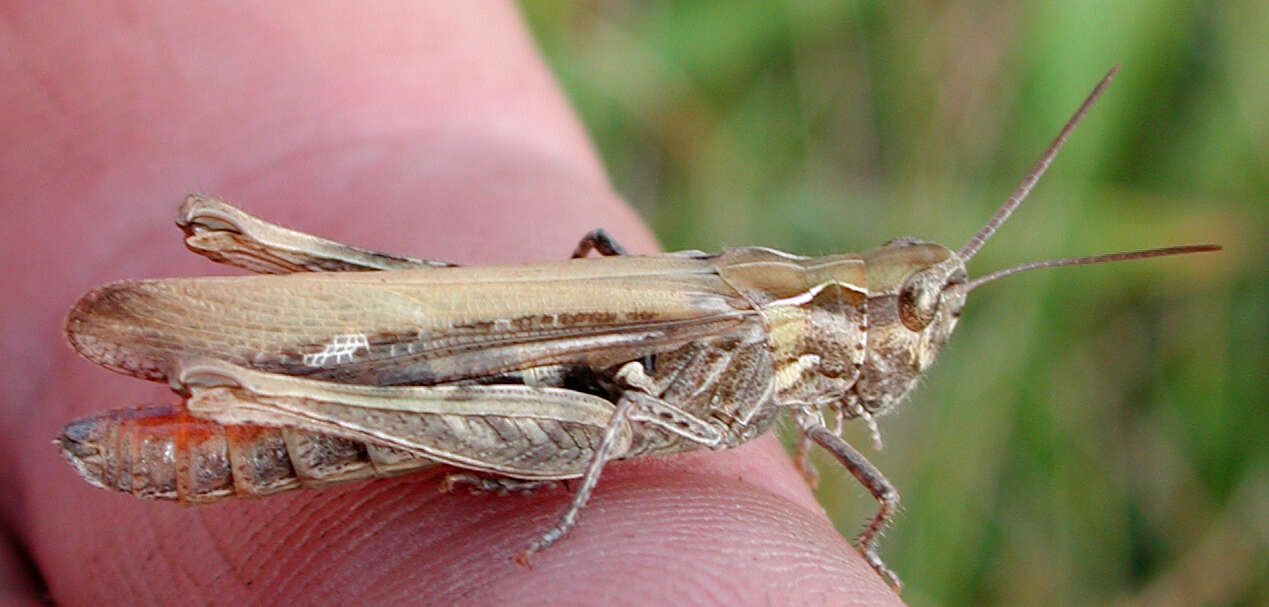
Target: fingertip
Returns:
[[718, 536]]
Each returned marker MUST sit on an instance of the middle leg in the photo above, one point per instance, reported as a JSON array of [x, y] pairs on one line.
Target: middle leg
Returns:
[[599, 241]]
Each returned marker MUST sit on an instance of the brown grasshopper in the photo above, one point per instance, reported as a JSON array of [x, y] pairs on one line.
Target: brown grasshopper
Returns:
[[354, 364]]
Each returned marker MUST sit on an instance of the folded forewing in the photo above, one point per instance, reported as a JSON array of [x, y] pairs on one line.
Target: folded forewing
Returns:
[[419, 327]]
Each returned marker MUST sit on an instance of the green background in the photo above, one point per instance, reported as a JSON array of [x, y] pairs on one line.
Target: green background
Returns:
[[1090, 435]]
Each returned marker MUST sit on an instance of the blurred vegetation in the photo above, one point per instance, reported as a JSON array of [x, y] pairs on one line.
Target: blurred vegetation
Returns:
[[1091, 435]]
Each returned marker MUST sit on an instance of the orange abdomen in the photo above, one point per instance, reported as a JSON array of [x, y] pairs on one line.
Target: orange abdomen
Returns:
[[163, 452]]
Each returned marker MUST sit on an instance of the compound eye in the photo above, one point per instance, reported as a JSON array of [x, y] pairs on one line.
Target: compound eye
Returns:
[[918, 301]]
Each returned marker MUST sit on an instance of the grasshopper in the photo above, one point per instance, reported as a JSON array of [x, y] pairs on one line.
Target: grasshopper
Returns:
[[348, 363]]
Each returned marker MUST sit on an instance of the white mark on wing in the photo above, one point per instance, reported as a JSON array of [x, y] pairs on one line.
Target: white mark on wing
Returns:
[[341, 350]]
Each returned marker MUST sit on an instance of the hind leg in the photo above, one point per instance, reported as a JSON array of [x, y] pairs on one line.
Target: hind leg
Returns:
[[499, 485]]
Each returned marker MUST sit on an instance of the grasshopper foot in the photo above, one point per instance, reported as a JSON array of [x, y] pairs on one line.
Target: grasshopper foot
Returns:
[[886, 574], [802, 460], [499, 485], [550, 537]]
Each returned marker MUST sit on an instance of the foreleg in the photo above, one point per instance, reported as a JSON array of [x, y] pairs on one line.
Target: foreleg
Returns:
[[872, 479]]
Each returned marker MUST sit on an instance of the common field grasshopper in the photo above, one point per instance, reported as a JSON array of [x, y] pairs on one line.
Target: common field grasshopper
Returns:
[[348, 364]]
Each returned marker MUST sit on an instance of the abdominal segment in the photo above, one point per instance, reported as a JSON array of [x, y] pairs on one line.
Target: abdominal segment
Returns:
[[163, 452]]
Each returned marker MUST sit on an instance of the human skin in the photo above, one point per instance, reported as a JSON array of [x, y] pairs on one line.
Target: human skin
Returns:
[[431, 132]]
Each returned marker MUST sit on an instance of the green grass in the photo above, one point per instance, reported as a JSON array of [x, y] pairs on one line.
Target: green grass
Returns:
[[1090, 435]]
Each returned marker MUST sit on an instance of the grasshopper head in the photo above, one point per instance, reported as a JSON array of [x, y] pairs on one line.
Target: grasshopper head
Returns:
[[913, 306], [916, 292]]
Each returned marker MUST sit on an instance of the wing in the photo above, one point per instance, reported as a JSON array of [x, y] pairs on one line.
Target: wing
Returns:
[[421, 327]]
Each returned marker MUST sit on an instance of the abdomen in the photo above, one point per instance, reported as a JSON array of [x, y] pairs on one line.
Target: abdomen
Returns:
[[163, 452]]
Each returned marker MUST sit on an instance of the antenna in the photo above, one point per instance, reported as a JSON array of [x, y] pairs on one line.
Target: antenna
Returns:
[[1020, 193], [1079, 261]]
